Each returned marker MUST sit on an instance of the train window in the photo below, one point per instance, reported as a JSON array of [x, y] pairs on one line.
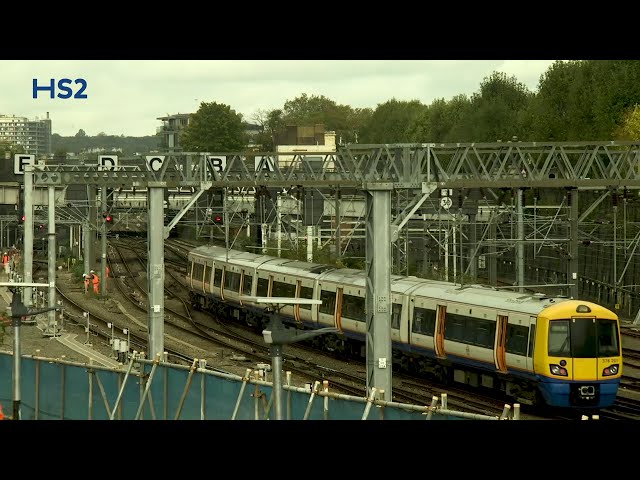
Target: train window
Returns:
[[396, 313], [207, 273], [306, 292], [469, 330], [454, 328], [217, 277], [246, 285], [353, 307], [232, 281], [517, 339], [559, 343], [583, 343], [424, 321], [281, 289], [328, 304], [485, 331], [263, 287], [607, 338]]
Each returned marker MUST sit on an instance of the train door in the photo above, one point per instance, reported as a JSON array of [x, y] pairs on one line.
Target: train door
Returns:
[[224, 272], [241, 287], [206, 285], [584, 349], [441, 316], [531, 344], [296, 307], [191, 272], [338, 311], [500, 343]]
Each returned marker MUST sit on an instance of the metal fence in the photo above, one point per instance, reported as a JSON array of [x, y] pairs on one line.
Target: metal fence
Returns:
[[146, 389]]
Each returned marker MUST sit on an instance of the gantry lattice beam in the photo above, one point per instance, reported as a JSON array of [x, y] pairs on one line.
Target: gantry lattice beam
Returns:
[[472, 165]]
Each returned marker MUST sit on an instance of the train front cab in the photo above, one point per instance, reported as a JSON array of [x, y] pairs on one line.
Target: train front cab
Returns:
[[578, 355]]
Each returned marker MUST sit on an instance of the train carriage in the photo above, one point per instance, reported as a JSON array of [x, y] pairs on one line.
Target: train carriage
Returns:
[[537, 349]]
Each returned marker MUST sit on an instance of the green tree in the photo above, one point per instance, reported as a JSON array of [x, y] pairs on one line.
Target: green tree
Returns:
[[496, 110], [393, 122], [629, 128], [312, 110], [81, 133], [215, 127], [8, 149], [443, 122]]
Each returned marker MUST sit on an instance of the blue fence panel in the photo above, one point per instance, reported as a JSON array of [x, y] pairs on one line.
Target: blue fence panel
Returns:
[[63, 393]]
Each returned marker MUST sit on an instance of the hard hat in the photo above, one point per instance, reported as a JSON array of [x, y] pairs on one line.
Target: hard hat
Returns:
[[92, 271]]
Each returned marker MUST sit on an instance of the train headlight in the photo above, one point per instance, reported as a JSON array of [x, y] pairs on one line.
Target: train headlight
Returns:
[[558, 370], [611, 370]]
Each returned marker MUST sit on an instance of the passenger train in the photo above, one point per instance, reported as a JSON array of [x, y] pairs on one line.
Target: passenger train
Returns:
[[538, 350]]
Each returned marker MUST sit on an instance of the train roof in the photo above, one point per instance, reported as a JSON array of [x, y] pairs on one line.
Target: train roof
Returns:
[[487, 296], [267, 262], [479, 295]]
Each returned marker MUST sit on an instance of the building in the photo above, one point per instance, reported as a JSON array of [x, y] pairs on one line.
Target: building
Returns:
[[169, 132], [33, 135]]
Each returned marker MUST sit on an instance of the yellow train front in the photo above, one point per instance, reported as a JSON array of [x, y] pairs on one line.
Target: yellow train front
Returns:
[[577, 355]]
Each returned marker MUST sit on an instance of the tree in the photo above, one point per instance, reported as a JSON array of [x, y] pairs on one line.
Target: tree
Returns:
[[392, 122], [311, 110], [81, 133], [629, 129], [215, 127], [496, 108], [8, 149]]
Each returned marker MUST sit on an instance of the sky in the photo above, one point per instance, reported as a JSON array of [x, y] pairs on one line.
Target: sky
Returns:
[[126, 97]]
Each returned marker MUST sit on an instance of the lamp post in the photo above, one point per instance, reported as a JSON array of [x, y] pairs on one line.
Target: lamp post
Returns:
[[110, 325], [87, 329], [19, 312], [128, 334], [276, 335]]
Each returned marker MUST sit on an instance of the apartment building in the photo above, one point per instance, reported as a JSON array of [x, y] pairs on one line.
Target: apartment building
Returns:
[[33, 135]]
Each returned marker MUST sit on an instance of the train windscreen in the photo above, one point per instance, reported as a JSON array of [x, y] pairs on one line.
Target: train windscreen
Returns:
[[584, 338]]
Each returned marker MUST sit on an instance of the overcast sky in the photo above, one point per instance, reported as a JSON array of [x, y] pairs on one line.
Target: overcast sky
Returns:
[[127, 96]]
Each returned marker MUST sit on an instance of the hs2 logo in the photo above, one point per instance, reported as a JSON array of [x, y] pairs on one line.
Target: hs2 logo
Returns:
[[65, 91]]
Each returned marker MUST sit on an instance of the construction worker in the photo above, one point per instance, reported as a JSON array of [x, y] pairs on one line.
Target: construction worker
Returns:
[[96, 282], [5, 262], [86, 280], [1, 413]]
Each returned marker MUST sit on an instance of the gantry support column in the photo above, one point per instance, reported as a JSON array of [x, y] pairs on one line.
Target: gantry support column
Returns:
[[27, 259], [520, 241], [51, 233], [492, 260], [378, 300], [155, 268], [572, 272], [90, 230], [103, 242], [338, 226], [473, 241]]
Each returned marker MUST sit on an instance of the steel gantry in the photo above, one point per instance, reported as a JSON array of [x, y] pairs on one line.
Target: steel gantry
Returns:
[[377, 171]]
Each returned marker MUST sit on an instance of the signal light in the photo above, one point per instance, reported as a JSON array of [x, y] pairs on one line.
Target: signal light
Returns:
[[23, 218], [218, 219], [107, 217]]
